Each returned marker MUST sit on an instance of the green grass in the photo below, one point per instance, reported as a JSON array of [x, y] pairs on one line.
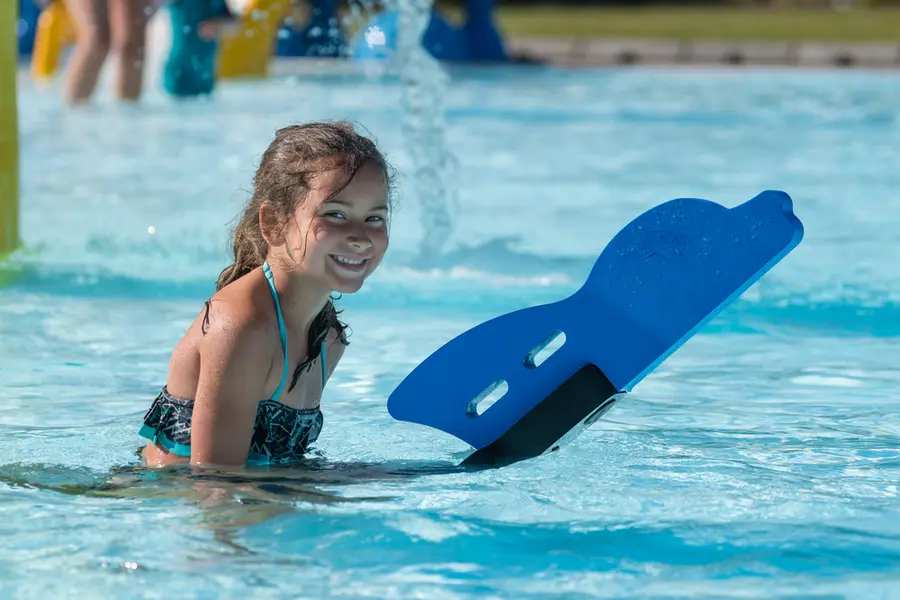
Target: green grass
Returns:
[[874, 25]]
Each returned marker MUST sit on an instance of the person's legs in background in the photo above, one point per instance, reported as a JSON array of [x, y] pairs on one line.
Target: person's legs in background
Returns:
[[128, 21], [91, 21]]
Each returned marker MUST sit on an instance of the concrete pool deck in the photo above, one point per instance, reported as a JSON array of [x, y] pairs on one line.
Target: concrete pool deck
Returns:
[[625, 52], [588, 52]]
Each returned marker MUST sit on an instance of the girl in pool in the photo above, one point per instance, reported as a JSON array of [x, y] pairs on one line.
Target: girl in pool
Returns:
[[245, 381]]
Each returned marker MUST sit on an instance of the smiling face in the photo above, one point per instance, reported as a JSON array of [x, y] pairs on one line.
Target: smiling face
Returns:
[[342, 237]]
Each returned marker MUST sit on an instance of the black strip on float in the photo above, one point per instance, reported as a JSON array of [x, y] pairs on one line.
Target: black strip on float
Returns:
[[580, 401]]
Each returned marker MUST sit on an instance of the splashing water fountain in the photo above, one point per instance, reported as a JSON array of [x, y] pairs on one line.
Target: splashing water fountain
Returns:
[[424, 85]]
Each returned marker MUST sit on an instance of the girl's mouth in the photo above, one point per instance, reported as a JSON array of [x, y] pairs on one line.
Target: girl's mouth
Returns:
[[355, 265]]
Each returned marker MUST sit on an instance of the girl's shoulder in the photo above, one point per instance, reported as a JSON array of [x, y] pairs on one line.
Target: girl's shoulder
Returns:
[[233, 325], [244, 307]]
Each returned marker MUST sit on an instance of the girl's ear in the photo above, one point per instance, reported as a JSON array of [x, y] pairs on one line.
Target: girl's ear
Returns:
[[272, 232]]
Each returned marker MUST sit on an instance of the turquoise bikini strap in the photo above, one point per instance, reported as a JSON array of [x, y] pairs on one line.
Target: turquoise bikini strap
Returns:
[[281, 328]]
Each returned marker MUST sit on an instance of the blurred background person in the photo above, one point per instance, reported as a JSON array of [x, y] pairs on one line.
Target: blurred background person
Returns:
[[102, 26]]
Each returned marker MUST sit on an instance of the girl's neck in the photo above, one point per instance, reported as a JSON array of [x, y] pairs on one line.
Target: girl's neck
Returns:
[[301, 297]]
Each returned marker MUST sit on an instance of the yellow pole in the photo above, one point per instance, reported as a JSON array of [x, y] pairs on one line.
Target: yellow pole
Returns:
[[9, 129]]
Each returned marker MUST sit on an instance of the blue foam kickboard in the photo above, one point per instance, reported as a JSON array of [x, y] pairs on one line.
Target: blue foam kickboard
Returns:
[[655, 284]]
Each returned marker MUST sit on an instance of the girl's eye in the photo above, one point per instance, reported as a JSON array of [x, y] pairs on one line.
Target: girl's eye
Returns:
[[376, 219], [336, 214]]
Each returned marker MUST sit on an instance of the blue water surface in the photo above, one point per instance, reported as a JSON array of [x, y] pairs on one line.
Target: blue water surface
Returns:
[[761, 460]]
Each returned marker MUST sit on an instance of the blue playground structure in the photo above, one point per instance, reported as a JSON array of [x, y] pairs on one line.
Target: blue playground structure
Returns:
[[321, 36], [477, 40], [27, 25]]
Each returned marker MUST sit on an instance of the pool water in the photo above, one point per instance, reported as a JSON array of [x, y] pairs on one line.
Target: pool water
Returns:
[[762, 459]]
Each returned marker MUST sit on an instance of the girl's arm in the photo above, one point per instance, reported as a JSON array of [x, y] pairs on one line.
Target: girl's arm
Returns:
[[235, 358]]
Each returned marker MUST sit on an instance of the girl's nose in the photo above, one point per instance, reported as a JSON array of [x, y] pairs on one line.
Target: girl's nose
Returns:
[[359, 241]]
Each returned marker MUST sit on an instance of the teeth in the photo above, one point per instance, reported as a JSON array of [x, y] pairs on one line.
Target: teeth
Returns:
[[347, 261]]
